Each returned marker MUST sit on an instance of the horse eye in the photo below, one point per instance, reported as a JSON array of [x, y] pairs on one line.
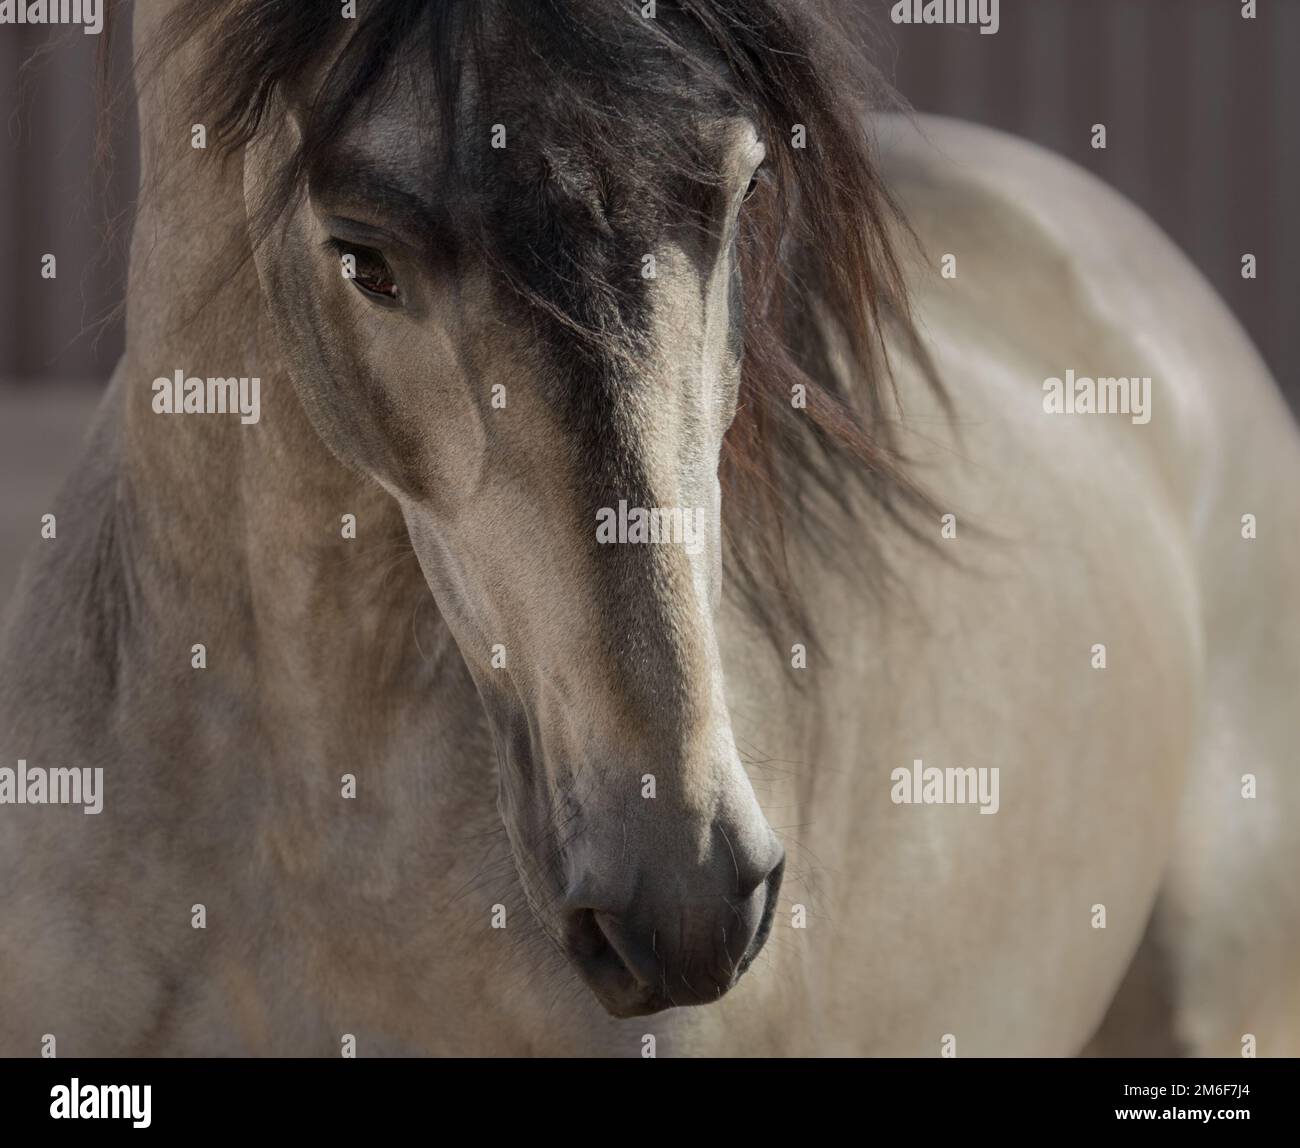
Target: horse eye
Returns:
[[370, 272], [753, 186]]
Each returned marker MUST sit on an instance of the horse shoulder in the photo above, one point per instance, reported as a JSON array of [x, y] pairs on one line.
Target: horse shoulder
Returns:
[[1223, 455]]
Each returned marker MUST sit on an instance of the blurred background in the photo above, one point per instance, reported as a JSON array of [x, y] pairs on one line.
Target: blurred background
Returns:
[[1202, 110]]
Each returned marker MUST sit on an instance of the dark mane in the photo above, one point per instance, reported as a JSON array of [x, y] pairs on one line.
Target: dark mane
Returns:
[[817, 246]]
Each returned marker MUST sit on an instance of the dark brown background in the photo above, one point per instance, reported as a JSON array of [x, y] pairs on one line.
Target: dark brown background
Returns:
[[1200, 106]]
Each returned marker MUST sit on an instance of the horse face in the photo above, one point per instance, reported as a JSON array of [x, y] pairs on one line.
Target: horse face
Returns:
[[540, 367]]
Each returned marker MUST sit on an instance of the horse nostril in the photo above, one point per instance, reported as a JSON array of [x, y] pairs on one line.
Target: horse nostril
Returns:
[[657, 953], [585, 938], [771, 888], [596, 946], [764, 874]]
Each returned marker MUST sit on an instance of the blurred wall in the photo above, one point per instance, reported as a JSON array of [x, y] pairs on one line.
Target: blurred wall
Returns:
[[1202, 110], [54, 199]]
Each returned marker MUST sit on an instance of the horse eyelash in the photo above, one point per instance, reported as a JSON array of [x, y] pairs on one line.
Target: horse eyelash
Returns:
[[341, 247]]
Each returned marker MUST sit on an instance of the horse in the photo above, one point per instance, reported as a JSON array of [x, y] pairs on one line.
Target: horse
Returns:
[[960, 727]]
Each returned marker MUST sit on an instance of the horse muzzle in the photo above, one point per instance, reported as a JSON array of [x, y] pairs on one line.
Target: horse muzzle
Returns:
[[655, 950]]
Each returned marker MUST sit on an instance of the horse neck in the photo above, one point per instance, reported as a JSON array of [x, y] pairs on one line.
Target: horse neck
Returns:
[[233, 528]]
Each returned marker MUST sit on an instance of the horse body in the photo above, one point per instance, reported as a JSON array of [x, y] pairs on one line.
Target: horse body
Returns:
[[374, 917]]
